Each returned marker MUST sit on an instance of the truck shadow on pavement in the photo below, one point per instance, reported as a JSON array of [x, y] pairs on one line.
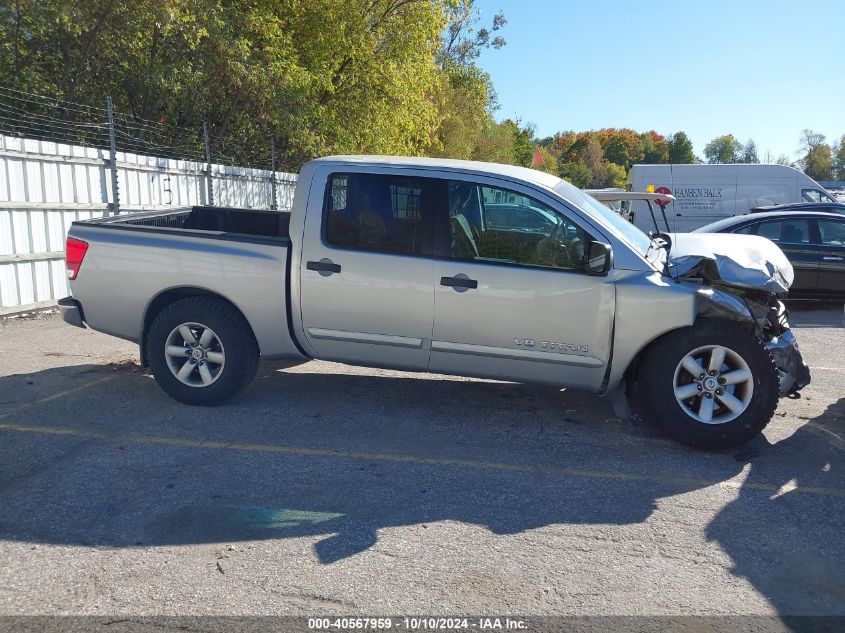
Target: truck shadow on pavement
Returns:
[[789, 544], [339, 457]]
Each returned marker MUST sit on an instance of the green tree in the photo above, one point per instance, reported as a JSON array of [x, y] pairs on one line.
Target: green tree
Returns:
[[468, 100], [819, 164], [464, 109], [322, 76], [577, 173], [621, 146], [549, 163], [616, 176], [523, 146], [655, 148], [680, 149], [617, 150], [724, 149], [818, 156], [507, 142], [839, 159], [463, 40]]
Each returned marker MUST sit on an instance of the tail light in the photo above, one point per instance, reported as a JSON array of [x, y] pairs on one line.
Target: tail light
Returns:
[[74, 253]]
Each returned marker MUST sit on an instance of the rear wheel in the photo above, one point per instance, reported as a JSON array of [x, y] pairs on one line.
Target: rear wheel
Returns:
[[202, 351], [712, 385]]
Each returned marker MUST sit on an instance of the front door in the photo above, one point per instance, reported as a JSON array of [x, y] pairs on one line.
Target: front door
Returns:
[[794, 237], [832, 256], [511, 298], [366, 291]]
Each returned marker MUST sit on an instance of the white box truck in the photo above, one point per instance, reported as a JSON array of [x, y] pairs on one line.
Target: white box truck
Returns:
[[706, 193]]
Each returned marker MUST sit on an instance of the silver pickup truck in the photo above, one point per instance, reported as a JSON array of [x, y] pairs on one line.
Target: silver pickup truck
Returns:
[[452, 267]]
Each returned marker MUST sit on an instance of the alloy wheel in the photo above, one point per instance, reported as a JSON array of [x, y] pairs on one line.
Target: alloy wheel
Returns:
[[194, 354], [713, 384]]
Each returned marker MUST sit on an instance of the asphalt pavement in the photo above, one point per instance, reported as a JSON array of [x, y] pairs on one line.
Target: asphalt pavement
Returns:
[[329, 489]]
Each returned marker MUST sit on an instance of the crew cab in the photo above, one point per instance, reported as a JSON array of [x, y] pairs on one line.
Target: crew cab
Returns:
[[454, 267]]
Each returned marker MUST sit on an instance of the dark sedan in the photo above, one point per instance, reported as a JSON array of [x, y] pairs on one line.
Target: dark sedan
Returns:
[[815, 207], [813, 242]]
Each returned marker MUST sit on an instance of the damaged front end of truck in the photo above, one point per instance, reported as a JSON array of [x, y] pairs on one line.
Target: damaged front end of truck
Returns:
[[743, 278]]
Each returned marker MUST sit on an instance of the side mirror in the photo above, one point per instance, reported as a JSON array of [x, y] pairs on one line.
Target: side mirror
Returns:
[[599, 259]]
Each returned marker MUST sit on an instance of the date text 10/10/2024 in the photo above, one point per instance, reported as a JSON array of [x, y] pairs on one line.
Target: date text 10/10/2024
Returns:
[[417, 624]]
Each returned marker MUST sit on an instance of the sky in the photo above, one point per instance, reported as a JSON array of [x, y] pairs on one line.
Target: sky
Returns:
[[757, 69]]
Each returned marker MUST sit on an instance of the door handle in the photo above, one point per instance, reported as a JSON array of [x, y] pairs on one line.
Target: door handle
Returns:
[[832, 258], [459, 281], [325, 267]]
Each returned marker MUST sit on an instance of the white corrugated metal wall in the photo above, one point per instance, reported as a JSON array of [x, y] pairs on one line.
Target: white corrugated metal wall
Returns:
[[44, 186]]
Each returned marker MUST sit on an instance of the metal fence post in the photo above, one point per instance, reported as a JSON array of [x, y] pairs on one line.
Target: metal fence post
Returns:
[[273, 201], [208, 181], [114, 207]]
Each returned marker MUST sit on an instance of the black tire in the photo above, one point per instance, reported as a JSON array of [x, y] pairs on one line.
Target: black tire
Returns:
[[234, 334], [656, 385]]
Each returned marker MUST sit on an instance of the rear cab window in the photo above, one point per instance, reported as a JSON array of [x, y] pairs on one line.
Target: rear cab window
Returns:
[[380, 213]]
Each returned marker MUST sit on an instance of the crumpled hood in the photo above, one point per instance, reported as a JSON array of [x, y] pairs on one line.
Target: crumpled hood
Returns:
[[744, 261]]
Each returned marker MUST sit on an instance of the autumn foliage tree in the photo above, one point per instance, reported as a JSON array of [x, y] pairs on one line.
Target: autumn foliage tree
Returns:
[[602, 158], [321, 77]]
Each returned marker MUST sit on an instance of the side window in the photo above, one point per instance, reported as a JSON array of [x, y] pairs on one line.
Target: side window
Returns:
[[750, 229], [788, 231], [379, 212], [832, 232], [811, 195], [498, 225]]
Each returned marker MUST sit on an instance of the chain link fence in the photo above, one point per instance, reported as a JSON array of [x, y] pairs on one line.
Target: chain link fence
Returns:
[[61, 162]]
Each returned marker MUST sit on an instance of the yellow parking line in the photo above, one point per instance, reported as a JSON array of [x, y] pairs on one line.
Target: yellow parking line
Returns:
[[735, 483], [51, 430], [54, 396]]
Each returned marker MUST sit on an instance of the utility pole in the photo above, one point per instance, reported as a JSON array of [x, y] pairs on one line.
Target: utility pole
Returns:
[[208, 181], [114, 207], [273, 202]]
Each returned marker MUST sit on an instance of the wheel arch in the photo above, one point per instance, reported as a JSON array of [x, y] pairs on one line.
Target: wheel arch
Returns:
[[170, 296], [632, 370]]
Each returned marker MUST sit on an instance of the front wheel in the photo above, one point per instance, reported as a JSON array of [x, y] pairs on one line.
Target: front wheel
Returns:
[[202, 351], [711, 385]]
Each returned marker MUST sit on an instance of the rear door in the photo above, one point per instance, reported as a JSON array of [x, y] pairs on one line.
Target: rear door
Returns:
[[511, 298], [367, 295], [831, 256]]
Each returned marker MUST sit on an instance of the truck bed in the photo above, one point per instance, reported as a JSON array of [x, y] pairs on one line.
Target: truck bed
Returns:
[[136, 261], [252, 222]]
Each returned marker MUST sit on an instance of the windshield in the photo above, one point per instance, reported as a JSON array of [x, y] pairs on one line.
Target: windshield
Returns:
[[624, 229]]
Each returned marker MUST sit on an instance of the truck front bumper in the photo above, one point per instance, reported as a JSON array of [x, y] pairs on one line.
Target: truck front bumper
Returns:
[[793, 372], [71, 311]]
